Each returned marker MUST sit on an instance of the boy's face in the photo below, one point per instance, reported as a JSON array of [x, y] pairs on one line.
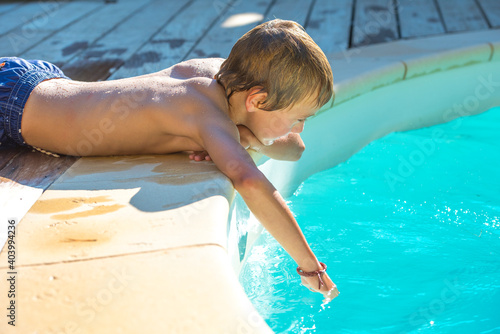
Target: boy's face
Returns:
[[268, 126]]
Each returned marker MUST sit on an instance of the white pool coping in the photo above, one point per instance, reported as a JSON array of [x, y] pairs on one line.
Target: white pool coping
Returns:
[[140, 244], [392, 87]]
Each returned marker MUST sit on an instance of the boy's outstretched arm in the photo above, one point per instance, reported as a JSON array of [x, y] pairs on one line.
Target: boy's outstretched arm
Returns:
[[265, 202]]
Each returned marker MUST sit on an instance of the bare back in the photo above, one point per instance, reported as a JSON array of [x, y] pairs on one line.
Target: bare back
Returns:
[[151, 114]]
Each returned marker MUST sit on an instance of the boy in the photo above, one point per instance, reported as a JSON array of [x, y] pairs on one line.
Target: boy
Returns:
[[273, 80]]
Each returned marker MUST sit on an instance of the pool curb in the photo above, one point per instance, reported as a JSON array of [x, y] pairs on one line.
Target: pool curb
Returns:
[[361, 70], [124, 247]]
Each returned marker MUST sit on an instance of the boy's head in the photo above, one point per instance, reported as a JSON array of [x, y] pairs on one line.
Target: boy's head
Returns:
[[282, 58]]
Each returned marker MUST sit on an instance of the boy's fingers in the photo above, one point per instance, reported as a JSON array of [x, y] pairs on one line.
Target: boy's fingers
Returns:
[[199, 156], [332, 294]]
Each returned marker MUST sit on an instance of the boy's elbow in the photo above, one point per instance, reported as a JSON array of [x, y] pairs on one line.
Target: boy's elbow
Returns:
[[248, 181]]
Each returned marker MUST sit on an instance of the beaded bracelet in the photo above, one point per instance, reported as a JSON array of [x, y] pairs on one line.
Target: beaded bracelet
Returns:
[[46, 152], [313, 273]]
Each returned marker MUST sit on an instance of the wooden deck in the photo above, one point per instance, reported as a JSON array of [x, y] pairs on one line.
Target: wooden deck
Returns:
[[100, 40]]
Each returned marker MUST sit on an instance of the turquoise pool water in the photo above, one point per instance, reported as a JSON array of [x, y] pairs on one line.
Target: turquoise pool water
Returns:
[[410, 230]]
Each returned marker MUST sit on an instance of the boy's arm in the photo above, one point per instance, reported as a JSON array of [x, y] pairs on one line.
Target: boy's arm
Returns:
[[289, 147], [261, 197]]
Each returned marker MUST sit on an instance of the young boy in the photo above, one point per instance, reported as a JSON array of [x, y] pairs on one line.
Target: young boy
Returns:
[[273, 80]]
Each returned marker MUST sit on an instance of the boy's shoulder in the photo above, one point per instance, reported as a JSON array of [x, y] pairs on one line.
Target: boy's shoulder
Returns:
[[197, 78], [189, 85], [201, 97], [196, 68]]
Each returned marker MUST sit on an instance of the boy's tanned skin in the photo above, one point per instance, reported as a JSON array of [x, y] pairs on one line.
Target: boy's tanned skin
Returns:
[[178, 109], [182, 108], [159, 113]]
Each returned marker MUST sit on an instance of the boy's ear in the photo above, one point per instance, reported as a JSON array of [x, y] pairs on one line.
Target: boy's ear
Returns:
[[255, 98]]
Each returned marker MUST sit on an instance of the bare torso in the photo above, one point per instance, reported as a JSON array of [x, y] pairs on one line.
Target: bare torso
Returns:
[[151, 114]]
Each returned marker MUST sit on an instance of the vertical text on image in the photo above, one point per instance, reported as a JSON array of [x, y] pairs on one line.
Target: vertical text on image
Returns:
[[11, 271]]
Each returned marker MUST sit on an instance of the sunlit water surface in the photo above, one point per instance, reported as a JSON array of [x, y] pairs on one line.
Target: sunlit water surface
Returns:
[[410, 230]]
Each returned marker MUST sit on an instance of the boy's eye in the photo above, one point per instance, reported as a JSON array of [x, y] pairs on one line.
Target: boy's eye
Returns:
[[305, 119]]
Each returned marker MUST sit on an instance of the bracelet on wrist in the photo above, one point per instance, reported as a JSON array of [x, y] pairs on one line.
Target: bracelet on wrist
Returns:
[[314, 273]]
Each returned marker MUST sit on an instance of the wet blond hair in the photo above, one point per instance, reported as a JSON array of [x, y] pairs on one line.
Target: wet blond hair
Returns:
[[282, 58]]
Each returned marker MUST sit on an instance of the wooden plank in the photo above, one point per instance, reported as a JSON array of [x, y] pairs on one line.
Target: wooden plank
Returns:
[[241, 17], [68, 43], [9, 7], [24, 37], [15, 14], [34, 169], [7, 154], [330, 25], [491, 9], [172, 43], [374, 22], [24, 178], [26, 16], [122, 42], [462, 15], [290, 10], [419, 18]]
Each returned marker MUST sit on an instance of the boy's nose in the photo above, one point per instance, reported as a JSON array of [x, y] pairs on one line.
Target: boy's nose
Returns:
[[298, 128]]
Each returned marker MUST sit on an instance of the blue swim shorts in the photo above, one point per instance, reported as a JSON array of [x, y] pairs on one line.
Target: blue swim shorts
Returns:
[[18, 78]]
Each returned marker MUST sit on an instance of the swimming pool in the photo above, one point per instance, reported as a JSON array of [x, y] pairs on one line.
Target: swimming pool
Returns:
[[410, 229]]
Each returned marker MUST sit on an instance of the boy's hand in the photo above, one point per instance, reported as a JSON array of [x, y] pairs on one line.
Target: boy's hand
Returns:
[[200, 156], [289, 147], [329, 289], [248, 139]]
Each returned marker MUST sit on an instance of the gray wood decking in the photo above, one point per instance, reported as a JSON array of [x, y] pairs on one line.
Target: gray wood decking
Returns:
[[96, 40]]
